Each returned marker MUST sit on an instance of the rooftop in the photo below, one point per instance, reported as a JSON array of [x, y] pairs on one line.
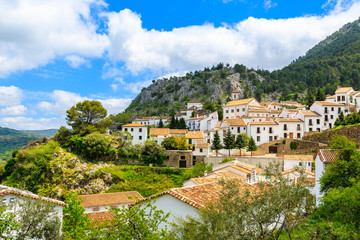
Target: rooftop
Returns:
[[325, 103], [133, 125], [299, 157], [105, 199], [263, 123], [239, 102], [159, 131], [309, 113], [328, 155], [299, 169], [343, 90], [194, 101], [195, 135], [235, 122]]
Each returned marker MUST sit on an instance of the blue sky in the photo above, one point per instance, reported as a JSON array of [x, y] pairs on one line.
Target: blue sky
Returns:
[[54, 53]]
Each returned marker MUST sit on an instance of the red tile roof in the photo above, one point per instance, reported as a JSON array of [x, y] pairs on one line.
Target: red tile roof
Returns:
[[328, 155], [105, 199], [133, 125], [307, 172]]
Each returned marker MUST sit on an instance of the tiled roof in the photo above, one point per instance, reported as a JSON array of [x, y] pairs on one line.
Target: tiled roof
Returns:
[[309, 113], [325, 103], [307, 172], [328, 155], [259, 110], [159, 131], [202, 180], [289, 102], [133, 125], [263, 123], [235, 91], [195, 118], [195, 135], [353, 93], [235, 122], [100, 217], [228, 174], [5, 190], [140, 119], [218, 125], [288, 120], [299, 157], [178, 131], [239, 102], [105, 199], [330, 96], [202, 145], [343, 90], [237, 165], [291, 110], [194, 101]]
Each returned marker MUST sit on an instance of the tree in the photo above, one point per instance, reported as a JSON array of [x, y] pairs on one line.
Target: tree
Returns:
[[169, 143], [182, 124], [229, 141], [75, 222], [87, 117], [161, 124], [310, 99], [216, 145], [242, 140], [142, 221], [39, 220], [96, 145], [8, 223], [173, 123], [320, 95], [249, 212], [153, 153], [252, 146]]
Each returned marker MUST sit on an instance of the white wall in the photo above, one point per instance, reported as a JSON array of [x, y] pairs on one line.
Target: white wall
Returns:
[[289, 164], [136, 134], [319, 170]]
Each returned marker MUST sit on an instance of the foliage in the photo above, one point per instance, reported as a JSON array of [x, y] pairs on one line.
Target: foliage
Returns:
[[161, 124], [8, 222], [198, 170], [132, 151], [87, 117], [227, 159], [39, 220], [142, 221], [320, 95], [242, 140], [310, 98], [350, 119], [245, 212], [95, 145], [173, 123], [75, 222], [153, 153], [252, 145], [121, 117], [229, 141], [293, 145], [169, 143], [216, 144]]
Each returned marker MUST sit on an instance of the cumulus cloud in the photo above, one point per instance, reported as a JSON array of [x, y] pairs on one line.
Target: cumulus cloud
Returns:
[[13, 110], [10, 96], [28, 123], [114, 106], [267, 43], [32, 33], [76, 61]]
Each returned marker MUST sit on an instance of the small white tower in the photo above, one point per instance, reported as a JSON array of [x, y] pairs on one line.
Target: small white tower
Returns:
[[235, 95]]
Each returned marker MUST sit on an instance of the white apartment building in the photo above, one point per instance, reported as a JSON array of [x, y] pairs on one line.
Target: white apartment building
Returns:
[[264, 132], [239, 108], [329, 112], [288, 113], [342, 95], [311, 119], [260, 112], [291, 128], [193, 123], [303, 161], [202, 148], [138, 132], [208, 122]]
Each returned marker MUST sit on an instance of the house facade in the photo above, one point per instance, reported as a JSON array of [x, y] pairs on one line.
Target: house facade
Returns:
[[138, 132]]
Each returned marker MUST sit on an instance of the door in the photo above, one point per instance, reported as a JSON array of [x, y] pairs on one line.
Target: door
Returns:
[[273, 149], [291, 135]]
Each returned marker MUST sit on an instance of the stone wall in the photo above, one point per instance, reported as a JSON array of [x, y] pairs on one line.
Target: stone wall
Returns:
[[177, 157], [303, 147], [351, 132]]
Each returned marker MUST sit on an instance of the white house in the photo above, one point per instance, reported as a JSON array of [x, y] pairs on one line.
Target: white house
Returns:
[[194, 123], [158, 134], [295, 173], [292, 128], [323, 157], [236, 126], [239, 108], [311, 119], [235, 95], [137, 131], [330, 98], [202, 148], [304, 161], [208, 121], [329, 112], [194, 103], [263, 132], [259, 112], [103, 201], [288, 113], [342, 95], [193, 136]]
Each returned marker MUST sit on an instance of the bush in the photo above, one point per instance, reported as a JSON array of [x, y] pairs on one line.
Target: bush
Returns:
[[284, 141], [95, 145], [293, 145]]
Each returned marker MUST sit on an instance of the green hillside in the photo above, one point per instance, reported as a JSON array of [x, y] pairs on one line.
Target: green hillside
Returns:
[[44, 133], [11, 139], [334, 61]]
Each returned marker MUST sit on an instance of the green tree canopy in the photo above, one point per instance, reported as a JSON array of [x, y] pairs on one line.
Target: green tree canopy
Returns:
[[169, 143], [242, 140], [252, 145], [95, 145], [216, 144], [87, 117], [229, 141]]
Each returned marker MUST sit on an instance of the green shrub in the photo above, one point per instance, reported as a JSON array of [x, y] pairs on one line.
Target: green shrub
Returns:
[[95, 145], [293, 145], [284, 141]]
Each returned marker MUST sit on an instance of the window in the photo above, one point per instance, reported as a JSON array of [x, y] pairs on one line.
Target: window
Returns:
[[232, 110], [285, 127], [310, 129], [125, 130], [140, 129], [332, 109], [339, 110], [182, 164], [258, 138], [338, 98], [270, 138], [270, 130], [132, 129], [326, 118], [310, 122], [300, 163], [243, 109], [317, 121], [298, 127], [194, 163], [182, 157], [258, 130], [285, 135], [201, 150], [238, 110], [331, 117], [238, 129], [326, 110], [343, 98], [3, 200], [309, 164], [140, 137], [227, 111], [298, 135]]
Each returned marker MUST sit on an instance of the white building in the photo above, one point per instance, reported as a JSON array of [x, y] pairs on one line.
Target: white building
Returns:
[[259, 112], [329, 112], [193, 123], [311, 119], [288, 113], [102, 202], [208, 121], [202, 148], [293, 161], [194, 103], [193, 136], [342, 95], [263, 132], [158, 134], [138, 132], [322, 159], [292, 128], [239, 108], [294, 174]]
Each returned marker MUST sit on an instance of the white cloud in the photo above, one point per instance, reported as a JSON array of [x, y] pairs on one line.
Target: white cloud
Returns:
[[114, 87], [114, 106], [13, 110], [137, 86], [76, 61], [268, 4], [10, 96], [27, 123], [32, 33], [267, 43]]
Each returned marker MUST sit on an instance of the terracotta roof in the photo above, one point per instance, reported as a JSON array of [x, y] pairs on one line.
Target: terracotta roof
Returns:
[[178, 131], [328, 155], [307, 172], [100, 217], [235, 122], [273, 103], [324, 103], [275, 111], [288, 120], [133, 125], [261, 110], [237, 165], [105, 199], [140, 119], [330, 97], [239, 102], [343, 90], [159, 131], [5, 190], [263, 123], [202, 145], [202, 180], [299, 157], [195, 135], [218, 125], [309, 113], [291, 110], [194, 101], [228, 174], [235, 91], [353, 93], [195, 118]]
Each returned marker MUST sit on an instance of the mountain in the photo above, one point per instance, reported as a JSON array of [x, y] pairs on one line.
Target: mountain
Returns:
[[44, 133], [334, 61], [11, 139]]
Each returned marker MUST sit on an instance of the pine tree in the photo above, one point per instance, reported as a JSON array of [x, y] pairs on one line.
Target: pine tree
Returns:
[[252, 146], [229, 141], [216, 144], [177, 123], [182, 124], [173, 122], [310, 99], [242, 141], [161, 124], [320, 95]]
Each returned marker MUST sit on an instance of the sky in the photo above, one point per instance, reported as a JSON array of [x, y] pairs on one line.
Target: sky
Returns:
[[55, 53]]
